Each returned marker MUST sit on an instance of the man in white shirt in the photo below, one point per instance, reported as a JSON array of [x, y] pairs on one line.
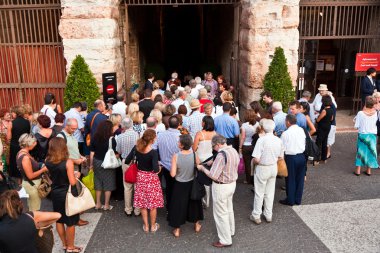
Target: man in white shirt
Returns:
[[120, 107], [48, 110], [194, 90], [267, 151], [181, 100], [294, 140], [198, 82]]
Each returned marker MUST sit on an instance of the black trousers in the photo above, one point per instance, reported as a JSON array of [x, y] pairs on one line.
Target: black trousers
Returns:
[[169, 186]]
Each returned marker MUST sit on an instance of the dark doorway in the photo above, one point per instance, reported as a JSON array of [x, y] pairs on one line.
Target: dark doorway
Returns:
[[193, 38]]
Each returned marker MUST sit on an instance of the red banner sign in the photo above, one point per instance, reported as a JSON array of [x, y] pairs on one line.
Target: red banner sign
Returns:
[[366, 61]]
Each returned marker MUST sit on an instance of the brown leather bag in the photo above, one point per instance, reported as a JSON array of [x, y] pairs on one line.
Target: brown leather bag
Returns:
[[88, 136], [282, 170]]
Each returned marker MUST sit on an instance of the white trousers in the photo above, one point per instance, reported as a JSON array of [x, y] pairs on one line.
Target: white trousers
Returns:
[[265, 183], [206, 198], [128, 192], [223, 210]]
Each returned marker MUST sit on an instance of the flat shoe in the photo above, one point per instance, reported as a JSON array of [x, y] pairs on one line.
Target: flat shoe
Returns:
[[82, 223], [220, 245], [99, 208], [145, 229], [74, 250], [108, 209], [368, 174], [156, 227], [356, 174]]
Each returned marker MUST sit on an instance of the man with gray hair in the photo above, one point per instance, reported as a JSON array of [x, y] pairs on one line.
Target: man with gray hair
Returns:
[[279, 118], [198, 82], [267, 151], [151, 123], [306, 97], [224, 175], [194, 90], [181, 100], [120, 107], [124, 144]]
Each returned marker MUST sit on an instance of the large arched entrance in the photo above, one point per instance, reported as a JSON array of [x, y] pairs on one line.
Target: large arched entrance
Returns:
[[183, 36]]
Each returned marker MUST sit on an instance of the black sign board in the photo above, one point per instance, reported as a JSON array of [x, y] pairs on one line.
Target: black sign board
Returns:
[[109, 87]]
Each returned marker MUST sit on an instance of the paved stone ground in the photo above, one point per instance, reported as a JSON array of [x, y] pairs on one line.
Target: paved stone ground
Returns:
[[307, 228]]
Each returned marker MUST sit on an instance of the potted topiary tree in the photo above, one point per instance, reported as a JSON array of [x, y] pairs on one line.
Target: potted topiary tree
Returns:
[[80, 84], [277, 80]]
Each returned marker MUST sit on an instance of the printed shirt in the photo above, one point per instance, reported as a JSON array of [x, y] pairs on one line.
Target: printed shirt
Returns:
[[194, 123], [167, 145], [125, 142], [225, 172]]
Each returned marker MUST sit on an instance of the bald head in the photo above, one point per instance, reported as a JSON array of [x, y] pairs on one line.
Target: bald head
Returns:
[[151, 122]]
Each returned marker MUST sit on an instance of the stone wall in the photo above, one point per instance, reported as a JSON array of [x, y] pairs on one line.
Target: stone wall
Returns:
[[90, 28], [265, 25]]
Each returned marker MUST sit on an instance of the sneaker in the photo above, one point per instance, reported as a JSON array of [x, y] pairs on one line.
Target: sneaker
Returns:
[[256, 221]]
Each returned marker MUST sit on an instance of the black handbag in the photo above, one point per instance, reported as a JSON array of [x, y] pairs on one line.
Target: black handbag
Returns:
[[198, 190], [8, 183], [202, 177], [312, 151]]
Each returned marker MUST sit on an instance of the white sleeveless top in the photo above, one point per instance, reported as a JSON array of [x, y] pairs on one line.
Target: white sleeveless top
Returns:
[[204, 150]]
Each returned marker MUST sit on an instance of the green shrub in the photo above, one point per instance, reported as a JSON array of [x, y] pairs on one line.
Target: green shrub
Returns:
[[80, 84], [277, 80]]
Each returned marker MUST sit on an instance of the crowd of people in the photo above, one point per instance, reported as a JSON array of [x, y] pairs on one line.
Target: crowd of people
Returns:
[[174, 131]]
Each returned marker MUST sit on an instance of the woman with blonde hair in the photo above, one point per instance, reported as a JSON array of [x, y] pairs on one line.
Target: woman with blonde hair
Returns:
[[115, 119], [138, 126], [135, 97], [203, 98], [62, 174], [148, 192], [30, 170], [133, 107], [18, 230], [158, 115], [160, 106]]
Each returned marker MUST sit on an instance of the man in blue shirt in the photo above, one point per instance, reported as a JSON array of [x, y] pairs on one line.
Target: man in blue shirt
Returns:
[[167, 146], [95, 117], [228, 126], [294, 108]]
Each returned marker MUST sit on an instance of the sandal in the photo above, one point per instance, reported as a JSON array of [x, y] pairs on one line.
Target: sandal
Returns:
[[145, 229], [156, 227], [107, 209], [99, 208], [74, 250], [197, 227]]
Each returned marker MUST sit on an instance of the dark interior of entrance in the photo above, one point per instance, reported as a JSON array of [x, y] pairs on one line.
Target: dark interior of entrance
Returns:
[[192, 38]]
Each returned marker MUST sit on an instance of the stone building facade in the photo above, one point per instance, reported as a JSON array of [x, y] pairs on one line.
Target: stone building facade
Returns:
[[91, 28]]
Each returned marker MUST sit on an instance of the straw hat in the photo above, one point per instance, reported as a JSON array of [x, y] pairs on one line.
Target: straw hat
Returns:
[[323, 87], [195, 104]]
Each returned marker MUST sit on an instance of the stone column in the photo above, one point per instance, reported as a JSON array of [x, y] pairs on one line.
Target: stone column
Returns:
[[90, 28], [265, 25]]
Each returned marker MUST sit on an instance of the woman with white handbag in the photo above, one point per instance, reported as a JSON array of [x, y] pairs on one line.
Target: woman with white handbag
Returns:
[[104, 160], [62, 174]]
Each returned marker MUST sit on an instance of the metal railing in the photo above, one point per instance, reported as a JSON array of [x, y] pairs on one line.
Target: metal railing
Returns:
[[31, 52]]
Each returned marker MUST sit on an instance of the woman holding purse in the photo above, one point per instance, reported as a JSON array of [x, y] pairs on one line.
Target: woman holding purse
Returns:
[[104, 179], [184, 209], [62, 174], [148, 192], [30, 169]]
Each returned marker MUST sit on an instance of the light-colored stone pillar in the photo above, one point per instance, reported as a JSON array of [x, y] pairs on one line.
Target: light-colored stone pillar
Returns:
[[90, 28], [265, 25]]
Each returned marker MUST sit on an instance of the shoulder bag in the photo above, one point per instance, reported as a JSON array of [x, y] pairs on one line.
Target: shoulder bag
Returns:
[[88, 136], [198, 190], [130, 175], [83, 202], [110, 160], [311, 148], [282, 170]]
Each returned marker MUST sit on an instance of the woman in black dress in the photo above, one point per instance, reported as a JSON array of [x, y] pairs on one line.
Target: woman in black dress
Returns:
[[18, 127], [182, 208], [62, 174], [324, 120], [18, 229]]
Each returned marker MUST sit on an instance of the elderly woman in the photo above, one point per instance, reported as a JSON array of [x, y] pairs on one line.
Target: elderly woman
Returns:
[[209, 110], [138, 125], [248, 129], [124, 144], [18, 229], [30, 169], [267, 151], [158, 116], [168, 112], [184, 209], [16, 128], [365, 122]]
